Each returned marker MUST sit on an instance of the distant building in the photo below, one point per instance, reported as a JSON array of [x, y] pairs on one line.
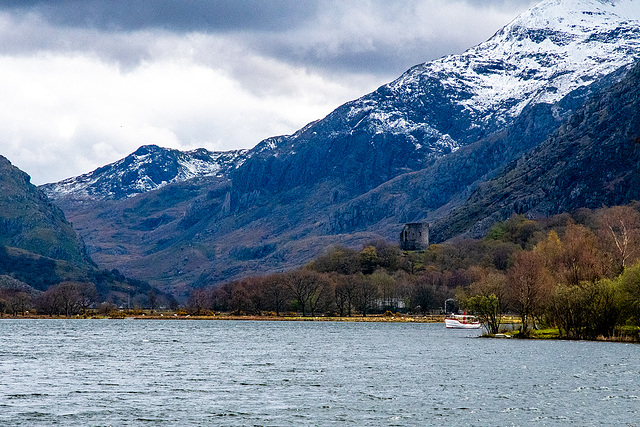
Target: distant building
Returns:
[[414, 237]]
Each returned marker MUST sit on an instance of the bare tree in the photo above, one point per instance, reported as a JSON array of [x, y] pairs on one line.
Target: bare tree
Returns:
[[304, 285], [620, 232], [386, 286], [276, 293], [19, 302], [87, 295], [581, 259], [240, 302], [198, 301], [68, 298], [366, 296], [346, 292], [153, 300], [529, 285]]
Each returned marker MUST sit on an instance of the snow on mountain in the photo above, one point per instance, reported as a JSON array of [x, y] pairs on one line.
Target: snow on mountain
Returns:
[[542, 55], [149, 168]]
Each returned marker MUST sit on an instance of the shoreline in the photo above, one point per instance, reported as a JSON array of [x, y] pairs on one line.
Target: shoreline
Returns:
[[222, 317], [546, 334]]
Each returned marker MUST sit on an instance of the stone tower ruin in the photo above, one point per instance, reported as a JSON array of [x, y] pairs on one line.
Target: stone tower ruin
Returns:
[[414, 237]]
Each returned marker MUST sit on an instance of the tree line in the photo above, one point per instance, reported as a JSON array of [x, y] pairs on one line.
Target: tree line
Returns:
[[95, 290], [342, 282], [577, 272]]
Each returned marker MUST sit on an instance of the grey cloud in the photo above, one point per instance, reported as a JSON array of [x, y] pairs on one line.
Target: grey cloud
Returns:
[[185, 15], [391, 37], [330, 37]]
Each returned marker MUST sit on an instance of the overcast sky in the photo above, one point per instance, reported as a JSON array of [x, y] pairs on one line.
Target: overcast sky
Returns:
[[84, 83]]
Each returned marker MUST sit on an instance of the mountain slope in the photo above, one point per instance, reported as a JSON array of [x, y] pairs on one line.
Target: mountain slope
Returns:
[[412, 150], [592, 160], [148, 168], [28, 219]]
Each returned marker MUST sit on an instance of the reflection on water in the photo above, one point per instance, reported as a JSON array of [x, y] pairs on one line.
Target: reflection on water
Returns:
[[133, 372]]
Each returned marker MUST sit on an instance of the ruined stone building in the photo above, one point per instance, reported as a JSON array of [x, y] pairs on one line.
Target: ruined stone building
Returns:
[[414, 237]]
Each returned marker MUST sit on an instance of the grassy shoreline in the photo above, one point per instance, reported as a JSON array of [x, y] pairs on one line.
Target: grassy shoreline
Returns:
[[226, 316]]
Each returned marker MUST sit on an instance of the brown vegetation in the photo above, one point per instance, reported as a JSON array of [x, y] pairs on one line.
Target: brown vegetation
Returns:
[[576, 272]]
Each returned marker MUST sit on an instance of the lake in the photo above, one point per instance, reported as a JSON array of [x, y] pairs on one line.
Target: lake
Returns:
[[197, 372]]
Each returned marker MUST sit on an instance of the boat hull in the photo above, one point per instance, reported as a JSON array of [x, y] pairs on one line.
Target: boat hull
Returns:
[[457, 324]]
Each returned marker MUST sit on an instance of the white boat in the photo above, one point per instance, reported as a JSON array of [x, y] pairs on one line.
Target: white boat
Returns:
[[461, 321]]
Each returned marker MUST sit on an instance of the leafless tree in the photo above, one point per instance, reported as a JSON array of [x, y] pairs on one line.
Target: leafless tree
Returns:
[[529, 285], [620, 233]]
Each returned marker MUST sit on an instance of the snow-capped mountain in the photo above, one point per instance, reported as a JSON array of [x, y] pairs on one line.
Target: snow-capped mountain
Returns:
[[546, 53], [541, 56], [149, 168], [430, 111]]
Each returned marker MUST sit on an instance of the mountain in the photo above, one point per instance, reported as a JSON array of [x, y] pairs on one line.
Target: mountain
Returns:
[[591, 161], [29, 221], [149, 168], [410, 151]]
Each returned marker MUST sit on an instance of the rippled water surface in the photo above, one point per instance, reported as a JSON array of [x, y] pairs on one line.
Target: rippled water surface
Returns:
[[134, 372]]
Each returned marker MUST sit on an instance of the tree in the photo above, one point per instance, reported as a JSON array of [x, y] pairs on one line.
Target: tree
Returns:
[[46, 302], [487, 309], [87, 295], [276, 293], [346, 292], [319, 296], [581, 261], [68, 298], [528, 286], [219, 297], [422, 297], [386, 286], [620, 233], [486, 299], [19, 302], [340, 299], [153, 300], [629, 282], [366, 295], [304, 285], [369, 259], [240, 302], [586, 311], [198, 301], [340, 260], [517, 229]]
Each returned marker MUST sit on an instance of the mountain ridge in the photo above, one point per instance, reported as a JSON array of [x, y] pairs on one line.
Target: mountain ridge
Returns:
[[29, 221], [148, 168]]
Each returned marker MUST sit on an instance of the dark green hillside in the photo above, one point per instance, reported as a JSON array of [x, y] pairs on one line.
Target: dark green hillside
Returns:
[[592, 160], [29, 221]]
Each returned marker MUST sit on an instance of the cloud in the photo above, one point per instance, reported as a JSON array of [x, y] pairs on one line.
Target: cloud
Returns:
[[85, 84], [179, 16]]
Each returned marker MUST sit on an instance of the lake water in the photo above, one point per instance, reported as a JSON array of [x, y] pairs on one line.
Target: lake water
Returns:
[[181, 372]]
